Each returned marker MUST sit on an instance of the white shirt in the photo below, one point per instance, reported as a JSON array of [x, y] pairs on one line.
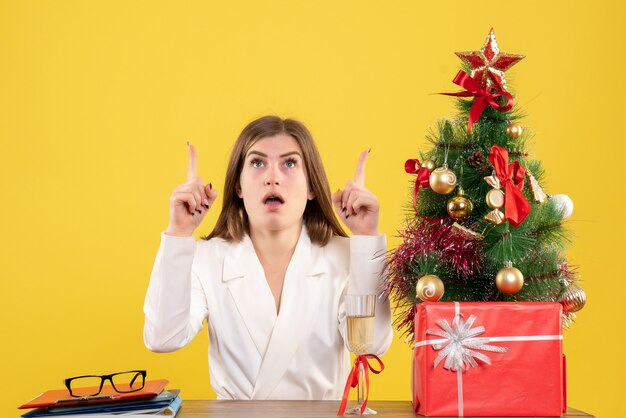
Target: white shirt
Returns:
[[253, 352]]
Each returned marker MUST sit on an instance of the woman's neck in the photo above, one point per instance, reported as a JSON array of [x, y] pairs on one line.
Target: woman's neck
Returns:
[[271, 245]]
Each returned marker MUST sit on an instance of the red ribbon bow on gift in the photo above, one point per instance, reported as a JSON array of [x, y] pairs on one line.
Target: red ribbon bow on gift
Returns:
[[511, 176], [483, 96], [353, 380]]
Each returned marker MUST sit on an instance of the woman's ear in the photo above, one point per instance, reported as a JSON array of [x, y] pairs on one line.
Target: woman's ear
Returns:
[[238, 191], [311, 195]]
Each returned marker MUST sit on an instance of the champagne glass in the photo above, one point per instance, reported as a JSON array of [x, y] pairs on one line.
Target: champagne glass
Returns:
[[360, 312]]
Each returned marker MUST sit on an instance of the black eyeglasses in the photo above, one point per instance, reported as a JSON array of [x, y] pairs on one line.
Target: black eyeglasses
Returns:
[[91, 385]]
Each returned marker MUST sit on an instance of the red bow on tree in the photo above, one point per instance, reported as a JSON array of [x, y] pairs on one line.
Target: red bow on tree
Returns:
[[511, 176], [353, 380], [483, 97], [423, 175], [422, 179]]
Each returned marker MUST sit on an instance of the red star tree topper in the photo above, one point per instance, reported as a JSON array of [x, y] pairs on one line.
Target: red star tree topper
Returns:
[[489, 64]]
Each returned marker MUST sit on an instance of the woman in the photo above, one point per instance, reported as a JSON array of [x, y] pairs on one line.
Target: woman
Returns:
[[272, 276]]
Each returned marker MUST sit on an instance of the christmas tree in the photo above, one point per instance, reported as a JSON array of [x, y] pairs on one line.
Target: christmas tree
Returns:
[[479, 226]]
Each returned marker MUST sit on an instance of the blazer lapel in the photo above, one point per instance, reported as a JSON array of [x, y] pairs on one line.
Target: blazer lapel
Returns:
[[246, 282], [296, 317]]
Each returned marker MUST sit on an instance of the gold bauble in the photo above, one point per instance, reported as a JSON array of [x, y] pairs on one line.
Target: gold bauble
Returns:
[[495, 198], [429, 165], [509, 280], [573, 298], [514, 131], [429, 288], [442, 180], [460, 207]]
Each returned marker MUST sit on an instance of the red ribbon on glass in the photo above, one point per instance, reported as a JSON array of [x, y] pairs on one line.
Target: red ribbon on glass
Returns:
[[511, 176], [483, 97], [353, 379]]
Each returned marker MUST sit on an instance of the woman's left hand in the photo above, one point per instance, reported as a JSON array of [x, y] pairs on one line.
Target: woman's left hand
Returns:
[[356, 206]]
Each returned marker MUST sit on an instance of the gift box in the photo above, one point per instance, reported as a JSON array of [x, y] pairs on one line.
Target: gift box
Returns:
[[488, 359]]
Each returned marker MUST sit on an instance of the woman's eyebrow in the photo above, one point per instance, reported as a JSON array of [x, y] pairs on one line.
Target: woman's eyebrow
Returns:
[[262, 154], [257, 153], [291, 153]]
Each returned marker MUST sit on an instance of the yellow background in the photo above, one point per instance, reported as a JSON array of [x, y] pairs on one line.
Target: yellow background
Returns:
[[97, 101]]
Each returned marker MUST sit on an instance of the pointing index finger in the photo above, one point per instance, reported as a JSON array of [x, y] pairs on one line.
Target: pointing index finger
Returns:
[[192, 169], [359, 175]]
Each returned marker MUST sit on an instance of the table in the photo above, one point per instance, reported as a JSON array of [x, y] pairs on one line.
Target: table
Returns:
[[300, 409]]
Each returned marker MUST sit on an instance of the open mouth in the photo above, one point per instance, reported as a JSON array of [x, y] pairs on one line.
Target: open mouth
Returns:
[[273, 199]]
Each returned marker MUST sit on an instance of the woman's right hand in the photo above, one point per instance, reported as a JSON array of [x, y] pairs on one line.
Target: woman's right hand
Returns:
[[190, 201]]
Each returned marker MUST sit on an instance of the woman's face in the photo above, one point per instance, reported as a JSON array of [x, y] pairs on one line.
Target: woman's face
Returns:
[[274, 184]]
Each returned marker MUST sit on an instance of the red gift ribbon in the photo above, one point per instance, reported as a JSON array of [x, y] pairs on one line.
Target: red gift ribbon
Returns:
[[483, 97], [511, 176], [353, 380]]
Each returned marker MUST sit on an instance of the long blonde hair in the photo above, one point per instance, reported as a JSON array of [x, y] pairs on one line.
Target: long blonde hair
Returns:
[[319, 217]]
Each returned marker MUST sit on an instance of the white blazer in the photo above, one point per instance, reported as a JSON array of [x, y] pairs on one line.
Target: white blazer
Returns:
[[253, 353]]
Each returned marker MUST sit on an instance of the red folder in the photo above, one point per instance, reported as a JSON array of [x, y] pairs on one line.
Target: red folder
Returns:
[[62, 397]]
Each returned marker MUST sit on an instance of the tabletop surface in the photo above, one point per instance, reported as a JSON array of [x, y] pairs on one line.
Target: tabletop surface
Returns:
[[296, 409]]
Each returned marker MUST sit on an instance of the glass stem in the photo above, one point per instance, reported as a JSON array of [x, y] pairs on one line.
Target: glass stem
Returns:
[[360, 390]]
